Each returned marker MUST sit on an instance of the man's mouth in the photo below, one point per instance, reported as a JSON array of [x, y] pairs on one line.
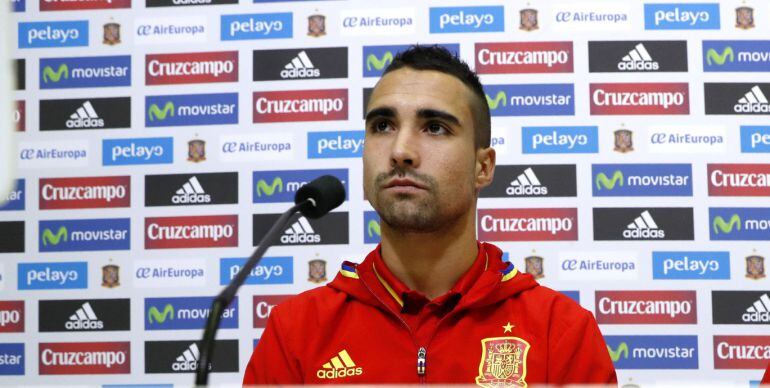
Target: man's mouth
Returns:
[[404, 185]]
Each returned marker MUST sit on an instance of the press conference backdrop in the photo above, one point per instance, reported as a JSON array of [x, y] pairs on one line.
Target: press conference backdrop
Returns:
[[159, 139]]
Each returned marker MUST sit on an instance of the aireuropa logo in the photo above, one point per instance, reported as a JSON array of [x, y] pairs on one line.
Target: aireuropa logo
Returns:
[[102, 234], [191, 232], [85, 113], [524, 57], [169, 273], [12, 316], [72, 33], [133, 151], [737, 98], [590, 266], [646, 307], [213, 188], [191, 109], [372, 234], [337, 144], [467, 19], [741, 307], [262, 307], [13, 359], [641, 180], [271, 270], [15, 200], [191, 68], [84, 315], [261, 147], [741, 351], [13, 236], [85, 72], [544, 224], [84, 358], [531, 99], [377, 58], [377, 22], [736, 55], [185, 3], [691, 265], [64, 5], [53, 154], [280, 186], [85, 192], [300, 64], [752, 180], [653, 351], [638, 224], [300, 105], [637, 56], [681, 16], [53, 276], [560, 140], [170, 30], [596, 16], [543, 180], [640, 99], [185, 313], [330, 229], [256, 26], [183, 356], [733, 223], [755, 139], [686, 139]]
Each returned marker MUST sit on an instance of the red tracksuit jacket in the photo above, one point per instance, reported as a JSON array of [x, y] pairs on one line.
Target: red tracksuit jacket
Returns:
[[496, 327]]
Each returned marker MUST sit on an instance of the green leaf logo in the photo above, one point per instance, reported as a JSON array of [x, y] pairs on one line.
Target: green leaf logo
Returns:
[[720, 59], [269, 190], [609, 184], [377, 63], [154, 314], [494, 103], [54, 239], [719, 224], [373, 228], [55, 76], [621, 350], [154, 112]]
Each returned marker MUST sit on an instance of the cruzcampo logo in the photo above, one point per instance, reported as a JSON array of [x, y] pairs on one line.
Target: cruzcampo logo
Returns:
[[154, 112], [719, 59], [373, 228], [719, 224], [55, 76], [269, 190], [50, 238], [378, 64], [603, 181], [154, 314], [621, 350], [494, 103]]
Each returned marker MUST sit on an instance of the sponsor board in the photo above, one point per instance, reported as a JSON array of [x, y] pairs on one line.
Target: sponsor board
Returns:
[[271, 270], [71, 33], [640, 99], [18, 6], [262, 307], [732, 223], [691, 265], [191, 109], [12, 359], [544, 224], [185, 3], [467, 19], [85, 72], [653, 351], [641, 180], [84, 358], [170, 30], [300, 105], [11, 236], [736, 55], [637, 56], [737, 98], [750, 180], [501, 140], [191, 232], [170, 273], [524, 57], [105, 234], [53, 154], [372, 234], [520, 181], [3, 277], [20, 74], [377, 58], [71, 5], [574, 295], [568, 17], [560, 140], [185, 313], [191, 189], [755, 139], [256, 26], [85, 113], [377, 22], [134, 151], [262, 147], [300, 64], [643, 224], [740, 307], [191, 68], [15, 200], [681, 16], [183, 356], [605, 266], [84, 315], [686, 139], [85, 192], [11, 316], [646, 307], [531, 99], [281, 186], [741, 351], [53, 276], [330, 229], [337, 144], [20, 115]]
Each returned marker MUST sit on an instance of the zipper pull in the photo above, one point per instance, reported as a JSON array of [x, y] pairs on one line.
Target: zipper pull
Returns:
[[421, 361]]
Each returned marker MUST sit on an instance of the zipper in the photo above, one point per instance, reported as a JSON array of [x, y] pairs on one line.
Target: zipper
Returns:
[[422, 354]]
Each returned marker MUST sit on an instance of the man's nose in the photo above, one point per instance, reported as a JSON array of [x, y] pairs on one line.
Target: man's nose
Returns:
[[404, 151]]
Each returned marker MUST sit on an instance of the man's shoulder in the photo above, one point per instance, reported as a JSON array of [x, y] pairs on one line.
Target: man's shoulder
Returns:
[[315, 298], [556, 304]]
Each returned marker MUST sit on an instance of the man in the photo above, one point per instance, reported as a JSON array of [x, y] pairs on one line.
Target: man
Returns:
[[766, 377], [430, 304]]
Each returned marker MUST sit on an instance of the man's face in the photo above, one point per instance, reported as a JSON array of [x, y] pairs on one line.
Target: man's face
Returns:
[[420, 162]]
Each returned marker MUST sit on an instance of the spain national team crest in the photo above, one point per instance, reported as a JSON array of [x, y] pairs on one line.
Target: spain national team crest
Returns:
[[624, 141], [744, 18], [533, 265], [196, 150], [316, 272], [111, 33], [316, 25], [503, 362], [110, 276], [755, 267], [528, 18]]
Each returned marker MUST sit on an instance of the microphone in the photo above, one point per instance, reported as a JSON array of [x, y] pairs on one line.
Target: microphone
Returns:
[[313, 200]]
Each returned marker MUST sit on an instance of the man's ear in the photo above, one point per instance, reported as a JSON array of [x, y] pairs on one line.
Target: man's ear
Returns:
[[485, 167]]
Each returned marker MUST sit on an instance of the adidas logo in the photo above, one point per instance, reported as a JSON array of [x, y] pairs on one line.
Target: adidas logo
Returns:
[[638, 59], [300, 67], [754, 101], [643, 227], [300, 232], [191, 192], [526, 184], [339, 366], [188, 360], [85, 117], [84, 319], [759, 312]]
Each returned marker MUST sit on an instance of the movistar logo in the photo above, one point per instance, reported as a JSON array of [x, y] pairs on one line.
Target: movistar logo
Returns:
[[55, 76], [54, 239], [154, 112], [720, 59], [269, 190], [373, 228], [603, 181], [494, 103], [621, 350], [719, 224], [154, 314], [377, 63]]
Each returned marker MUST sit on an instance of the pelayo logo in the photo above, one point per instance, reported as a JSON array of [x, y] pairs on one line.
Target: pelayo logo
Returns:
[[755, 139], [371, 227], [191, 68], [84, 315], [280, 186], [691, 265], [524, 57], [466, 19], [73, 33], [637, 56], [736, 55], [147, 150], [377, 58], [191, 189], [681, 16], [256, 26], [85, 72], [191, 109], [81, 113], [531, 99], [618, 224], [621, 180], [185, 313], [271, 270], [546, 224], [330, 229], [646, 307], [640, 99], [84, 358], [300, 64], [191, 232], [653, 351], [552, 180], [85, 192], [52, 276], [342, 144], [560, 140], [739, 223], [183, 356], [741, 351], [107, 234], [737, 98], [300, 105]]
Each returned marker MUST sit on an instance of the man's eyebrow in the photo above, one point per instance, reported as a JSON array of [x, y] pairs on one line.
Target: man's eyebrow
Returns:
[[381, 112], [437, 114]]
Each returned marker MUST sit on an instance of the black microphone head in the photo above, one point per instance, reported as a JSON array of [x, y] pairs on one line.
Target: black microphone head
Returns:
[[326, 193]]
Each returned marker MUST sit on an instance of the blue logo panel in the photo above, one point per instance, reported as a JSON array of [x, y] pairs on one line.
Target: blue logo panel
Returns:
[[53, 34], [191, 109], [560, 140], [85, 72], [19, 5], [280, 186], [574, 295], [270, 270], [653, 351], [531, 99], [681, 16], [755, 139], [377, 58], [691, 265], [148, 150], [256, 26], [185, 313], [371, 227], [746, 224], [736, 55], [15, 199], [53, 276], [85, 235], [13, 359], [644, 180], [467, 19], [344, 144]]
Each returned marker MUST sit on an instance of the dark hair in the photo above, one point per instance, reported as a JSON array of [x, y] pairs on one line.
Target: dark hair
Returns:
[[438, 58]]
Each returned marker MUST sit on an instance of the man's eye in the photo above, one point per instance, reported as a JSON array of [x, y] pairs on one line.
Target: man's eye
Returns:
[[382, 126], [436, 129]]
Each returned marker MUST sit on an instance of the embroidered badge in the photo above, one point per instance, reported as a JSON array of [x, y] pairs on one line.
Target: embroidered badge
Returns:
[[503, 362]]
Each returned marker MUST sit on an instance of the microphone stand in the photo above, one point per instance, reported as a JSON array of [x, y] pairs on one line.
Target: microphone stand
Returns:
[[226, 296]]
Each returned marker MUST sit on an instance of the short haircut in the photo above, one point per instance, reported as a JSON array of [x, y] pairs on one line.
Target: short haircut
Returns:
[[439, 59]]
